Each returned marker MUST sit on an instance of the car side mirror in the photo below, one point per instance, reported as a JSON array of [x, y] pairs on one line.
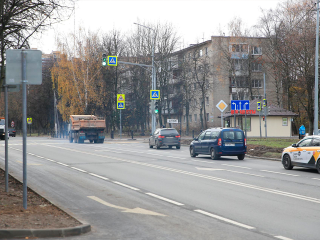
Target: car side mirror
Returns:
[[196, 139], [294, 145]]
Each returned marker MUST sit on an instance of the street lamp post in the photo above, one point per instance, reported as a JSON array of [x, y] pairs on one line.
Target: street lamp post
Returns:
[[153, 83], [316, 84]]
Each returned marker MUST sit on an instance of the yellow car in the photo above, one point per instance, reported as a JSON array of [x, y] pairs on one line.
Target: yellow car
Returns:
[[305, 153]]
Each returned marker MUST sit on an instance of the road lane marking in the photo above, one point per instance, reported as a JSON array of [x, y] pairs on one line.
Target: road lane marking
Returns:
[[280, 173], [165, 199], [127, 186], [31, 164], [78, 169], [126, 210], [224, 219], [283, 238], [98, 176], [202, 161], [216, 169], [175, 157], [210, 169], [63, 164], [316, 178], [268, 190], [235, 166]]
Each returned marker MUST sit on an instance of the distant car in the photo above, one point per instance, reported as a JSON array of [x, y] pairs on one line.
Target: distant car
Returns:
[[305, 153], [165, 137], [12, 132], [218, 142]]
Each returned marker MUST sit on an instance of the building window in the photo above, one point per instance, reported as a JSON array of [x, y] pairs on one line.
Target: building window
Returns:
[[257, 97], [206, 51], [257, 50], [234, 96], [195, 118], [256, 83], [190, 118], [248, 125], [207, 101], [256, 67], [207, 117], [184, 118], [239, 64], [239, 48], [200, 52], [284, 121]]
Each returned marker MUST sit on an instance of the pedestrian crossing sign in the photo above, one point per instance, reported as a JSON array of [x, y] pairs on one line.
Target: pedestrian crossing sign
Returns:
[[112, 60], [121, 105], [154, 94]]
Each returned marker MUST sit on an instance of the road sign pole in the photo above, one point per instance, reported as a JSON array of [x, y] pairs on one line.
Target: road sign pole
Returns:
[[120, 125], [260, 122], [265, 107], [221, 119], [24, 125], [6, 138], [245, 123]]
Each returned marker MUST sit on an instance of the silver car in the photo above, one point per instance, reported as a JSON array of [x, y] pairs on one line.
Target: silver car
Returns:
[[165, 137]]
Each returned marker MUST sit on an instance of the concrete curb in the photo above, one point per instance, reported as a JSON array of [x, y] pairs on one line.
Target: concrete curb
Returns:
[[265, 158], [44, 233]]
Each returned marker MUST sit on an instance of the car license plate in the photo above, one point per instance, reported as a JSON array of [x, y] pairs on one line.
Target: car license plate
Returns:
[[170, 137], [229, 144]]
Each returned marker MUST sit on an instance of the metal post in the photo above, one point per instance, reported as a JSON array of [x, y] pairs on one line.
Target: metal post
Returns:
[[24, 125], [120, 125], [260, 121], [316, 84], [235, 123], [265, 108], [221, 119], [245, 123], [6, 139]]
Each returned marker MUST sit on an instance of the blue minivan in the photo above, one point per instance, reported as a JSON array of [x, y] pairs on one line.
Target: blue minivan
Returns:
[[218, 142]]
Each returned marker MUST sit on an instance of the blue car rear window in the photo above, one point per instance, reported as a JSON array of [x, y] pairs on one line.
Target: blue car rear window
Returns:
[[232, 135]]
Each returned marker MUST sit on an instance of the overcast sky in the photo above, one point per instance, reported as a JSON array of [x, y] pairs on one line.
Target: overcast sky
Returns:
[[194, 20]]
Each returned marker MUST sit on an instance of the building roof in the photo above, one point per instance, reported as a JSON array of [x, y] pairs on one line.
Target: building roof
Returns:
[[273, 110]]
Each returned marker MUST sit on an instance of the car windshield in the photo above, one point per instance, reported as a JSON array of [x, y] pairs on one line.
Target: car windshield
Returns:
[[168, 132], [232, 135]]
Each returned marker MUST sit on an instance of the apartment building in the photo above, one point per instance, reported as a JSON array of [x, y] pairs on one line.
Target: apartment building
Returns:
[[223, 68]]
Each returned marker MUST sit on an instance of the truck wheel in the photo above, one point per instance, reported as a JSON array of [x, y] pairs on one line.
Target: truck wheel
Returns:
[[101, 140], [91, 141], [95, 141]]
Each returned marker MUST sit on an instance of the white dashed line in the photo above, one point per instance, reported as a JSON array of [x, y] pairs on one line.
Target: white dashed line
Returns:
[[165, 199], [62, 164], [283, 238], [127, 186], [316, 178], [280, 173], [98, 176], [235, 166], [202, 161], [245, 173], [224, 219], [78, 169]]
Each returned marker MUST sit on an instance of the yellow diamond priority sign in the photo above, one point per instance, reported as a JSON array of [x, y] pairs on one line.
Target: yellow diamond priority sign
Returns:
[[222, 106]]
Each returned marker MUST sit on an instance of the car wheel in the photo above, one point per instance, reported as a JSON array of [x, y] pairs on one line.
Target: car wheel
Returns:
[[213, 154], [158, 145], [150, 146], [241, 157], [318, 165], [192, 153], [91, 141], [286, 162], [178, 147]]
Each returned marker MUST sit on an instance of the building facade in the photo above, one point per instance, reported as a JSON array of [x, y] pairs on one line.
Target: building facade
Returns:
[[223, 68]]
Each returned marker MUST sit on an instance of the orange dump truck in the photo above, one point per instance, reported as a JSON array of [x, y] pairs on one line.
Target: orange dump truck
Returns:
[[86, 127]]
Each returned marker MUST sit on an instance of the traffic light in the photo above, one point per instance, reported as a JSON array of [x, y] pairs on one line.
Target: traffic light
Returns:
[[104, 59], [263, 118], [156, 107]]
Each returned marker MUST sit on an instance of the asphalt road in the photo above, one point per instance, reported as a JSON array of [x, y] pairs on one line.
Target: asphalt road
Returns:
[[127, 191]]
